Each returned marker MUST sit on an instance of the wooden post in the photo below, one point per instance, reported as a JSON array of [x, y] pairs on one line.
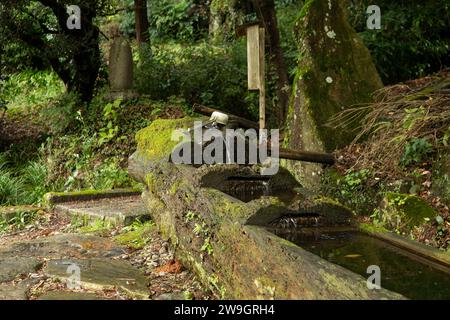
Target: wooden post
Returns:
[[262, 79], [253, 57], [256, 67]]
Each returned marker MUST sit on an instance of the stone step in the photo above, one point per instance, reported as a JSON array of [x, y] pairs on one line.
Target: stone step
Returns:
[[118, 207]]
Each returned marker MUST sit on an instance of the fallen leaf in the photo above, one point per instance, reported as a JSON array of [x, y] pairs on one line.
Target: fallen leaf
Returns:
[[353, 256]]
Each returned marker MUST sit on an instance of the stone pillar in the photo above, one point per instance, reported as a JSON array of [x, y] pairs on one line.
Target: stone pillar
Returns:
[[121, 69]]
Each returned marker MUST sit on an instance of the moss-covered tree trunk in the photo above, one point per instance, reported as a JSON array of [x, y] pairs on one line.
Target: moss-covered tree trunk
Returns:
[[225, 16], [335, 72]]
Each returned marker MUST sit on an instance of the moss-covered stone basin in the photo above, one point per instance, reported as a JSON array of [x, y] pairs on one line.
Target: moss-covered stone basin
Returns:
[[223, 239], [218, 237]]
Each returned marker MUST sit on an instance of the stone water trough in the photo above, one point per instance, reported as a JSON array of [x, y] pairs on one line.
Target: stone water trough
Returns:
[[217, 218]]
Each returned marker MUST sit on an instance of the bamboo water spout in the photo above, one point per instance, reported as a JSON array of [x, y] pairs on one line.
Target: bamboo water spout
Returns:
[[288, 154]]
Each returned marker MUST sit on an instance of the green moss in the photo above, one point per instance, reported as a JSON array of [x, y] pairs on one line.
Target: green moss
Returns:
[[55, 197], [344, 59], [330, 201], [372, 228], [136, 236], [410, 208], [150, 179], [156, 140], [265, 287], [174, 188], [337, 284], [99, 227], [305, 9]]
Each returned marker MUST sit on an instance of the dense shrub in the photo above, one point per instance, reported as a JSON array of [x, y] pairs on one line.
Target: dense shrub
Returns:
[[201, 73], [414, 40], [181, 20], [29, 88]]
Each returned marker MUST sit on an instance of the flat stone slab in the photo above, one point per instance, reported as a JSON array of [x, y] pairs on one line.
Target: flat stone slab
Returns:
[[67, 295], [60, 246], [16, 291], [12, 267], [118, 210], [101, 274], [175, 296]]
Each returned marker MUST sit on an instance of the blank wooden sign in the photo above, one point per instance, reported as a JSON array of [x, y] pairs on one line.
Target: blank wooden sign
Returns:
[[253, 57]]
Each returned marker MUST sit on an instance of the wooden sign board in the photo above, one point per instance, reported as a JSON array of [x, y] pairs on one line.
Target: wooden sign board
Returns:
[[256, 66], [253, 57]]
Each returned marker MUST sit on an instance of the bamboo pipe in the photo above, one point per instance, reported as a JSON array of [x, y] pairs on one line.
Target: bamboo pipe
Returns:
[[244, 123], [288, 154]]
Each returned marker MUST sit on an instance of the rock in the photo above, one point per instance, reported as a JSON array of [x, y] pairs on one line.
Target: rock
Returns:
[[12, 267], [13, 292], [335, 72], [115, 252], [101, 274], [155, 145], [170, 296], [234, 259], [404, 211], [64, 245], [66, 295]]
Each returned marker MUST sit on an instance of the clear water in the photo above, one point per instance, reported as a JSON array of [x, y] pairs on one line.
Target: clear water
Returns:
[[401, 271]]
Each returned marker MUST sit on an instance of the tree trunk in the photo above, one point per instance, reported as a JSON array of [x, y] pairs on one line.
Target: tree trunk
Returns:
[[266, 13], [142, 24], [86, 58], [224, 17], [335, 72]]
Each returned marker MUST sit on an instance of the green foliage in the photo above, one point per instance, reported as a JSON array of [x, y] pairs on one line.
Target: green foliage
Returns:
[[11, 189], [403, 212], [137, 235], [202, 73], [77, 222], [30, 88], [181, 20], [413, 40], [176, 20], [34, 176], [73, 163], [60, 115], [415, 151], [352, 190], [110, 116], [287, 12], [99, 227], [24, 184], [19, 221]]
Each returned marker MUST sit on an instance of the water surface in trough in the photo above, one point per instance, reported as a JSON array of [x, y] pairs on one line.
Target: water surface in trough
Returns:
[[252, 188], [401, 271]]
